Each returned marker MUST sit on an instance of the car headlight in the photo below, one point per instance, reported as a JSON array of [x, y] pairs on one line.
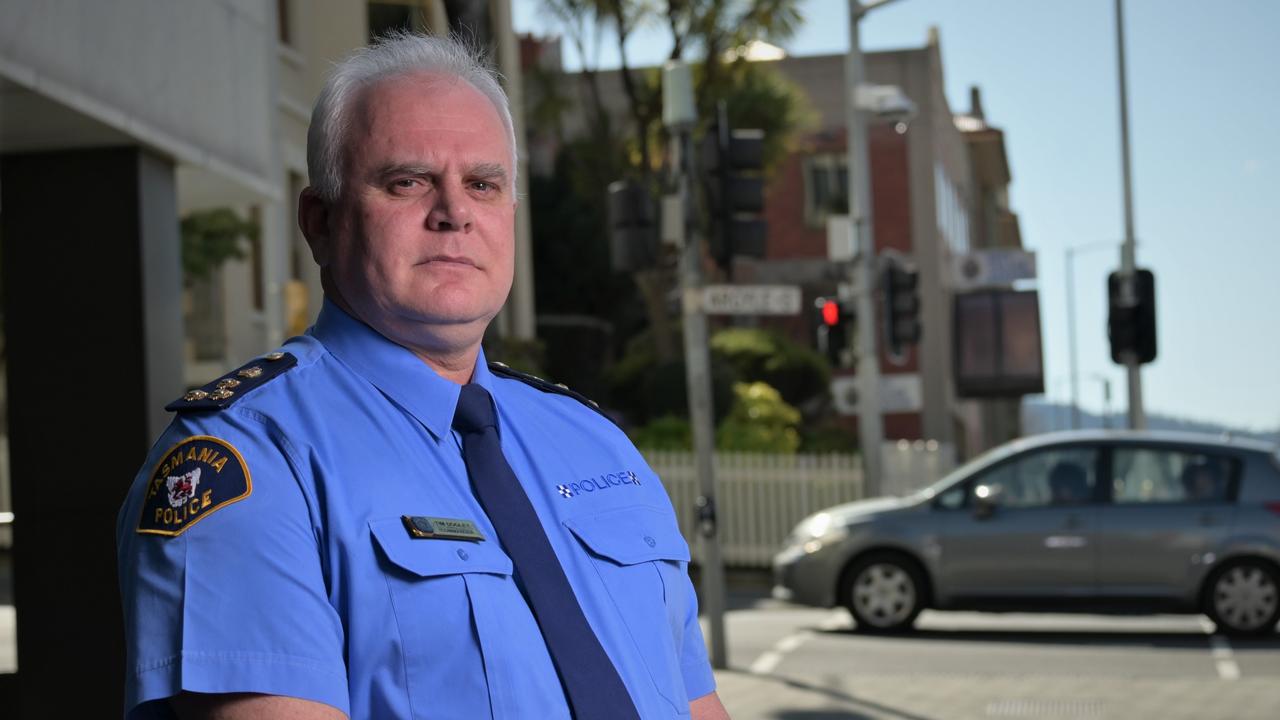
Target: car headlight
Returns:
[[817, 531]]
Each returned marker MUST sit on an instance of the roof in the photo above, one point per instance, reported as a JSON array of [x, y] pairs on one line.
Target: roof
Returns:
[[1160, 436]]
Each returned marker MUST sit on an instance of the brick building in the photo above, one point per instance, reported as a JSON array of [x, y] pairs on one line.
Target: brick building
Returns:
[[939, 187]]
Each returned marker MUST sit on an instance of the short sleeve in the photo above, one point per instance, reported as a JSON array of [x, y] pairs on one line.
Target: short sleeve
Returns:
[[221, 577], [695, 668]]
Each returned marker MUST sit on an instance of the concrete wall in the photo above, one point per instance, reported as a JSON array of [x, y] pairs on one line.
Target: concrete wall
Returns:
[[189, 78]]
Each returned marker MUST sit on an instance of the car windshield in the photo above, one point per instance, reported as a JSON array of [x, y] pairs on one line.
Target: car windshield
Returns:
[[964, 471]]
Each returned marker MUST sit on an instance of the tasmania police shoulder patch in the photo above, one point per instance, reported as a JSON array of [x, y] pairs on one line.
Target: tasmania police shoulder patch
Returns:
[[193, 479]]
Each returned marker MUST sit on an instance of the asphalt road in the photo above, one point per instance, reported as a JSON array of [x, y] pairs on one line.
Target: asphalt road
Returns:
[[794, 663]]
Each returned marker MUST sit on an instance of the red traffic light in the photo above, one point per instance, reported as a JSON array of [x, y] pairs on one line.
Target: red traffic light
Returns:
[[830, 313]]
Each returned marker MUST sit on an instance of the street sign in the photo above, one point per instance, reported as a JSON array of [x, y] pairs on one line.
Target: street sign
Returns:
[[751, 300], [840, 239], [899, 393], [993, 268]]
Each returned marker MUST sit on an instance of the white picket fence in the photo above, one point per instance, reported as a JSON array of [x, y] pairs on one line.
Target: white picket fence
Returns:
[[761, 497]]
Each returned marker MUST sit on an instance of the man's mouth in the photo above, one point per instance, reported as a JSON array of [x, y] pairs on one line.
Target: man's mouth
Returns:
[[451, 260]]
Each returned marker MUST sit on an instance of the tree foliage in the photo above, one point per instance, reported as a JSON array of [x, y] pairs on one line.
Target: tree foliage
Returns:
[[798, 372], [761, 421], [210, 238], [758, 421]]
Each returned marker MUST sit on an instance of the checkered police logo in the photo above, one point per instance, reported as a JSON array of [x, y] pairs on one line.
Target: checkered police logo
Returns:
[[607, 481]]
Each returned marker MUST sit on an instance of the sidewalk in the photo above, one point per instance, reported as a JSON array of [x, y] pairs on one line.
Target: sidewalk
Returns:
[[966, 697]]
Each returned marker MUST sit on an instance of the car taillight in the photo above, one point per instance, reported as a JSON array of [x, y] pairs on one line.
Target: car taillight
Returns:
[[1273, 507]]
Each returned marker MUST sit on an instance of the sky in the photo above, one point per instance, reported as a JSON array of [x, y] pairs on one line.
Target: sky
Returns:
[[1204, 99]]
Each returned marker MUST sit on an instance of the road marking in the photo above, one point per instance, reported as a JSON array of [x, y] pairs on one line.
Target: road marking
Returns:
[[791, 642], [769, 659], [765, 664], [1220, 651]]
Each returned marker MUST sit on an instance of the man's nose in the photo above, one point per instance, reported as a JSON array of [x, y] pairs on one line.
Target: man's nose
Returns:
[[451, 211]]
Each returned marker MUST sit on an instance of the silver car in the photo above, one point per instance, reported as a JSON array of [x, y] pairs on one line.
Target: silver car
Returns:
[[1086, 521]]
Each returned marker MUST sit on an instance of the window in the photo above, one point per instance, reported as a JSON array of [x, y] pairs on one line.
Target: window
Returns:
[[826, 188], [283, 27], [1158, 475], [951, 499], [395, 15], [1044, 478]]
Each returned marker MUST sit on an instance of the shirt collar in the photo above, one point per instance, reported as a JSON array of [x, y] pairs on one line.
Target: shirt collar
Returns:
[[395, 370]]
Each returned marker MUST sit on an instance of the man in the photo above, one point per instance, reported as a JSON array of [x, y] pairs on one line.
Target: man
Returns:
[[372, 522]]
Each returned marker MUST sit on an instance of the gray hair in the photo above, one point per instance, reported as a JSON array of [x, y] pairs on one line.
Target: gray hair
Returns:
[[392, 55]]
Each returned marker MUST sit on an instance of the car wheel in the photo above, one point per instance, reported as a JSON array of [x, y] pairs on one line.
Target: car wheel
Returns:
[[1242, 598], [884, 593]]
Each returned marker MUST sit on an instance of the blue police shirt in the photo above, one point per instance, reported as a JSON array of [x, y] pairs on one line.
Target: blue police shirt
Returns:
[[262, 547]]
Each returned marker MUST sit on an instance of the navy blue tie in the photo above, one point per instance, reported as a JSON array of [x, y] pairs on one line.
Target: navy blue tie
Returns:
[[590, 680]]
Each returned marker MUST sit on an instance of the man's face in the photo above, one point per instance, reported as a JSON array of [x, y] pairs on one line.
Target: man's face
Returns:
[[421, 242]]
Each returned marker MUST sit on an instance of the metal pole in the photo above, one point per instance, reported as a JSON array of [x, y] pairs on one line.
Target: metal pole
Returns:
[[1106, 402], [1137, 417], [1071, 339], [697, 359], [870, 423]]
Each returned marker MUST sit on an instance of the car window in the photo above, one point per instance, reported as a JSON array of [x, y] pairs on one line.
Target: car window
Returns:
[[1167, 475], [951, 499], [1044, 478]]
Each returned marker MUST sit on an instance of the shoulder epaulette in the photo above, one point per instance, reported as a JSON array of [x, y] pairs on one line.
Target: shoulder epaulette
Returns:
[[498, 368], [224, 391]]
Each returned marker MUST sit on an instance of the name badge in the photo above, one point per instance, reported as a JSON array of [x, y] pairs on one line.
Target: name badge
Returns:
[[433, 528]]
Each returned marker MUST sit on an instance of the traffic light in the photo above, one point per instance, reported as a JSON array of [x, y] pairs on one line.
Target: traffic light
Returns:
[[1132, 326], [833, 317], [900, 285], [633, 227], [734, 161]]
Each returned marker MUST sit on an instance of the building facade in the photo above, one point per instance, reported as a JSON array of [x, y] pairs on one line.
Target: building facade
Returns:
[[939, 192]]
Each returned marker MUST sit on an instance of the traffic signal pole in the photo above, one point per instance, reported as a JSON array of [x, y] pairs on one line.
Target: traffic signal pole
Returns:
[[1128, 264], [870, 422], [679, 115]]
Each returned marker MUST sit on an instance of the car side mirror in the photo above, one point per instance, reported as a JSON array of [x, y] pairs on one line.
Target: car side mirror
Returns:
[[986, 498]]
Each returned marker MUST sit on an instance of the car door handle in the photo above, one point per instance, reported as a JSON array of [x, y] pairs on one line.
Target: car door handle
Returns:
[[1065, 542]]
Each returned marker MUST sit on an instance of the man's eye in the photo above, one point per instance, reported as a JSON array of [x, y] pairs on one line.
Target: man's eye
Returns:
[[484, 186], [406, 183]]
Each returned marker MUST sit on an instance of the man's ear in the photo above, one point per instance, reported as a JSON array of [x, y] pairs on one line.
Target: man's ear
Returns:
[[314, 220]]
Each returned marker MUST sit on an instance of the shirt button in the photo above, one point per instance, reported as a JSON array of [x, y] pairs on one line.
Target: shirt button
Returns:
[[650, 541], [463, 554]]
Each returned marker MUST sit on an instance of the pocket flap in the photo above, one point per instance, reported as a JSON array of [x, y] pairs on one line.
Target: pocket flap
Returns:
[[428, 557], [631, 535]]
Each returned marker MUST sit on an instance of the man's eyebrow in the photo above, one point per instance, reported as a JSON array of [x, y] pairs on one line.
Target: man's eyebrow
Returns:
[[395, 169], [488, 171]]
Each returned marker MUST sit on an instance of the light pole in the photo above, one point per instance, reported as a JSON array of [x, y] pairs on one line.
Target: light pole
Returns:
[[870, 423], [1137, 417], [679, 114], [1071, 325]]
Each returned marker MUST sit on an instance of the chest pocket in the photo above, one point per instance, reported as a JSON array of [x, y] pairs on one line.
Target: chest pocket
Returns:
[[642, 559], [461, 624]]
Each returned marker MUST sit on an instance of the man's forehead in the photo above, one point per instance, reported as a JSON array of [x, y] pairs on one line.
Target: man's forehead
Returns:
[[447, 97], [418, 119]]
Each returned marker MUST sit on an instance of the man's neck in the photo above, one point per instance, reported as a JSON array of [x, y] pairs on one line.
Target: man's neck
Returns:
[[456, 366]]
